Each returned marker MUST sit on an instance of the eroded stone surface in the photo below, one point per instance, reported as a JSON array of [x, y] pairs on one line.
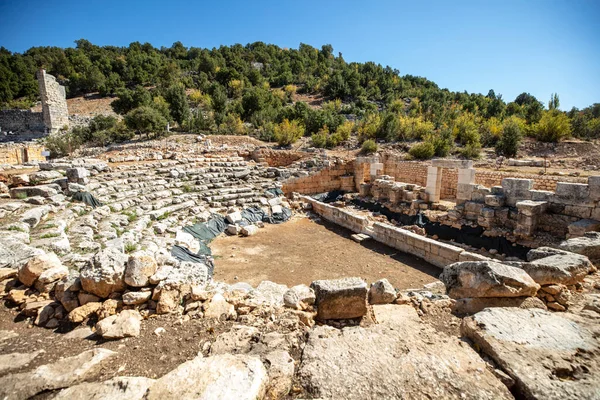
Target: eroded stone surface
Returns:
[[63, 373], [119, 388], [548, 355], [398, 358], [223, 376]]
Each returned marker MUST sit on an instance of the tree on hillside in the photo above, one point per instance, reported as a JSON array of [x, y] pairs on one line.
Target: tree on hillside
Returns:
[[146, 120], [554, 102], [178, 104]]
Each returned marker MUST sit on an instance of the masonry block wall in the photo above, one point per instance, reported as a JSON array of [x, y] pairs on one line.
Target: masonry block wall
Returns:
[[339, 176], [54, 102], [416, 172], [21, 121], [19, 153], [279, 158]]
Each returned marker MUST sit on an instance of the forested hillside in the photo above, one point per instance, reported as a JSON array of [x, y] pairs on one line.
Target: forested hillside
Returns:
[[252, 88]]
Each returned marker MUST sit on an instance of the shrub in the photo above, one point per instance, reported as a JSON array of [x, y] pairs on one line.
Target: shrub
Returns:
[[465, 129], [233, 125], [368, 126], [287, 133], [442, 142], [61, 144], [511, 136], [146, 120], [345, 130], [472, 151], [369, 147], [491, 130], [422, 151], [319, 139], [553, 127]]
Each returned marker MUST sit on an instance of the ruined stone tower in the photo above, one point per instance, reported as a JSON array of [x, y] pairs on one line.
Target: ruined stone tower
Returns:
[[54, 102]]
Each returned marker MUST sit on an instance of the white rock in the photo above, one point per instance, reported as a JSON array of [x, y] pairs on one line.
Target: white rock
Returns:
[[124, 324], [224, 376], [118, 388]]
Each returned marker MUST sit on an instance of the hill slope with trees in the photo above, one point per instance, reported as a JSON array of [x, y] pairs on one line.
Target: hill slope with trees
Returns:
[[252, 89]]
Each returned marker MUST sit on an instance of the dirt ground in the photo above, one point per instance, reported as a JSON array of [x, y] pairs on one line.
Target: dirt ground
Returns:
[[301, 251]]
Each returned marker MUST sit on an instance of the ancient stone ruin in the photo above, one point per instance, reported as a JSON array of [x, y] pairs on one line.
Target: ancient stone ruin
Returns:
[[113, 289], [54, 102]]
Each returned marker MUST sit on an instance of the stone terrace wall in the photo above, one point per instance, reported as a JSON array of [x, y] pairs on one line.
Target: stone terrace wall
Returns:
[[21, 121], [416, 172], [437, 253], [279, 158], [19, 153], [339, 176], [54, 102]]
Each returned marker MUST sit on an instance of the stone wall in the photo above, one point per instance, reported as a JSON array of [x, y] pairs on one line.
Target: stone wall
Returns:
[[54, 102], [416, 172], [276, 158], [21, 121], [437, 253], [339, 176], [19, 153]]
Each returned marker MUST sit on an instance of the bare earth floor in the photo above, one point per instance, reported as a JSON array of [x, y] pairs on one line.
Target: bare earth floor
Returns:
[[301, 251]]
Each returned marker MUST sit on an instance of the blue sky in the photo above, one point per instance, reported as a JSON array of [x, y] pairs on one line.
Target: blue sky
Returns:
[[536, 46]]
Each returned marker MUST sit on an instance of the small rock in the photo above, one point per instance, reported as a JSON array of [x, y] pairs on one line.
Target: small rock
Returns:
[[125, 324]]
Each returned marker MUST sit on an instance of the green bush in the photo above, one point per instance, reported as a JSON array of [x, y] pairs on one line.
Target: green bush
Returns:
[[442, 143], [146, 120], [369, 147], [472, 151], [287, 133], [553, 127], [510, 138], [422, 151], [319, 139], [62, 144]]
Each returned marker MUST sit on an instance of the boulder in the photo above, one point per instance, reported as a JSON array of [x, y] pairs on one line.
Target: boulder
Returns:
[[249, 230], [63, 373], [140, 267], [15, 253], [103, 274], [13, 361], [237, 340], [124, 324], [33, 216], [472, 305], [223, 376], [487, 279], [53, 274], [588, 245], [119, 388], [219, 308], [382, 292], [340, 298], [567, 269], [299, 297], [398, 358], [281, 374], [270, 293], [136, 298], [82, 313], [234, 217], [548, 355], [34, 268]]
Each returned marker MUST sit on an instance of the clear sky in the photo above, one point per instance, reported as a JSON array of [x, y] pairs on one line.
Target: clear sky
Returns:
[[536, 46]]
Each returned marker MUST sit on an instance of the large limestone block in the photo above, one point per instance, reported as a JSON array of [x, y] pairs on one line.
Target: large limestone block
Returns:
[[103, 274], [340, 298], [588, 245], [119, 388], [398, 358], [382, 292], [140, 267], [487, 279], [224, 376], [550, 356], [36, 266], [14, 361], [124, 324], [567, 269], [63, 373]]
